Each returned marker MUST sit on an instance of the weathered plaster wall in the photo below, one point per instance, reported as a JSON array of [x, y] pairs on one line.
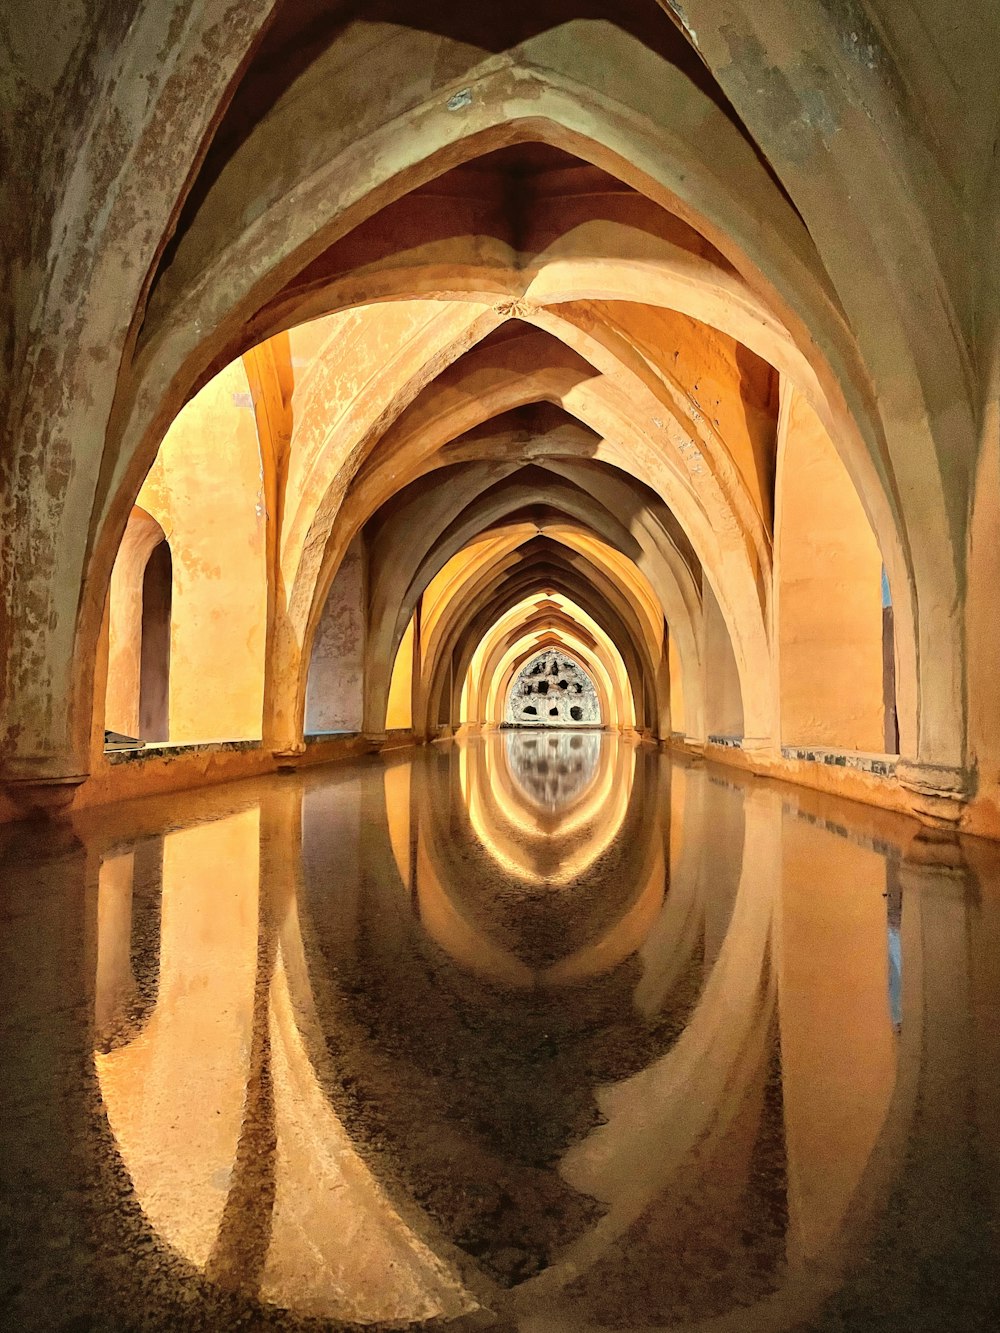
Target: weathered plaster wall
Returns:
[[335, 690], [49, 75], [828, 572], [122, 122], [205, 490]]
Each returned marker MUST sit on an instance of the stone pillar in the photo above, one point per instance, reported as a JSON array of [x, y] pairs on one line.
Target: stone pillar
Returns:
[[661, 721], [418, 713]]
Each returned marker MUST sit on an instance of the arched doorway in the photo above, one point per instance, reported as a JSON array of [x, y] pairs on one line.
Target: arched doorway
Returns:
[[154, 662], [139, 631]]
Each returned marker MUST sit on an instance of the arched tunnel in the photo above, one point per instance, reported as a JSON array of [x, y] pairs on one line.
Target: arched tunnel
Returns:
[[499, 750]]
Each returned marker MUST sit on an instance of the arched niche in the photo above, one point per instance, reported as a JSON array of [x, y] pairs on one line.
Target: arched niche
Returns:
[[139, 614], [154, 662], [205, 488], [188, 623]]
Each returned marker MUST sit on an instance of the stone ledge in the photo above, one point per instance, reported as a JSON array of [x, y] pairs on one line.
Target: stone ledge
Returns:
[[859, 776], [170, 750], [882, 765]]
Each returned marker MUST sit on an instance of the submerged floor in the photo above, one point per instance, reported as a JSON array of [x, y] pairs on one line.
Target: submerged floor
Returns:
[[544, 1031]]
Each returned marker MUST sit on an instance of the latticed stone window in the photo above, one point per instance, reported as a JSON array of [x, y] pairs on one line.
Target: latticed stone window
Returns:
[[552, 690]]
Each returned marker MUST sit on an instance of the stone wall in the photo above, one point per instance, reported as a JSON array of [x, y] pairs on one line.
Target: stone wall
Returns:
[[335, 689]]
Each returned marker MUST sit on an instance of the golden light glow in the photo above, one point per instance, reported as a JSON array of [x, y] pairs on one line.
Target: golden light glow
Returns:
[[516, 834]]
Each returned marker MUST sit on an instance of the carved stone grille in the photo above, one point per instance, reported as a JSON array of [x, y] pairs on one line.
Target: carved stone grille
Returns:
[[551, 690]]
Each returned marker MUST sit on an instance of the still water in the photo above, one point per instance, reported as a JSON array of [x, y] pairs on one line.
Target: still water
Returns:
[[540, 1031]]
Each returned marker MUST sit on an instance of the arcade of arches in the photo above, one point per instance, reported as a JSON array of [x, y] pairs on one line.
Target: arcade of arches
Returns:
[[514, 488], [420, 338]]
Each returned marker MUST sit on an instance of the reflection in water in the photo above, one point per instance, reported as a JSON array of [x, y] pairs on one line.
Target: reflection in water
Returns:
[[555, 767], [445, 1039]]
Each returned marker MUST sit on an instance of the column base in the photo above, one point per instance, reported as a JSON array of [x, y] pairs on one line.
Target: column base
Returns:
[[48, 798], [938, 792], [291, 751], [689, 745]]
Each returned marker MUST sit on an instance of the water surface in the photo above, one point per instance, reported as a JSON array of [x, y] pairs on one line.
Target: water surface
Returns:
[[542, 1031]]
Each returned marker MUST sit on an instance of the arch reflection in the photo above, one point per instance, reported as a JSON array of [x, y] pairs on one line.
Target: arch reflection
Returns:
[[388, 1078], [535, 849], [549, 843]]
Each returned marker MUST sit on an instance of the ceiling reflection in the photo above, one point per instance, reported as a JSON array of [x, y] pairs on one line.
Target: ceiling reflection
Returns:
[[359, 1063]]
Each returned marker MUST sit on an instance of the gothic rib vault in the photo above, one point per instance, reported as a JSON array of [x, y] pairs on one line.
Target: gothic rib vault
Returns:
[[428, 339]]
